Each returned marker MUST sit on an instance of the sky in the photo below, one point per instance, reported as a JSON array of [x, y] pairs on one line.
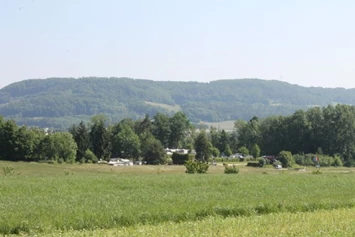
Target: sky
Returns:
[[304, 42]]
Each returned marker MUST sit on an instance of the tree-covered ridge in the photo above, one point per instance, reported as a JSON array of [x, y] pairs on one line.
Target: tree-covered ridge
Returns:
[[60, 102]]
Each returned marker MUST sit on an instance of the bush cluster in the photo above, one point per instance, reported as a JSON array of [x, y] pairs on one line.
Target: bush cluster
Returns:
[[230, 169], [324, 161], [196, 167]]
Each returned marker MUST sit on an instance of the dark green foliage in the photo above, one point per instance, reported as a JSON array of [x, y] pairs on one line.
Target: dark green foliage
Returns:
[[126, 143], [82, 138], [249, 133], [180, 159], [161, 128], [7, 140], [59, 147], [223, 142], [230, 169], [152, 150], [100, 138], [253, 164], [202, 147], [179, 126]]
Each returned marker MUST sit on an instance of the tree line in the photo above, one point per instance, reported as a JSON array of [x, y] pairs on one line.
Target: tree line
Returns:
[[328, 130]]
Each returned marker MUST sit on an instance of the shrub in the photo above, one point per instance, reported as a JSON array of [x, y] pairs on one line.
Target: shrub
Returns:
[[231, 169], [326, 160], [286, 159], [196, 167], [190, 167], [90, 156], [316, 171], [202, 167], [337, 162]]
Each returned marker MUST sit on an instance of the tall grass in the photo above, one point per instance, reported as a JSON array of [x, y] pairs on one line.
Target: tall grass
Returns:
[[78, 199], [320, 223]]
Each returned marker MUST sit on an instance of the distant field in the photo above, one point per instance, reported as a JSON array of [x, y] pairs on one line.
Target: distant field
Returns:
[[226, 125], [99, 200], [174, 108]]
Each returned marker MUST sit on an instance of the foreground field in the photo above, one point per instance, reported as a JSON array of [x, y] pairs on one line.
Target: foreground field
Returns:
[[319, 223], [49, 199]]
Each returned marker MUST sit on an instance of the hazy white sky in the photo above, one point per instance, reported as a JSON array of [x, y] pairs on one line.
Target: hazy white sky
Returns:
[[305, 42]]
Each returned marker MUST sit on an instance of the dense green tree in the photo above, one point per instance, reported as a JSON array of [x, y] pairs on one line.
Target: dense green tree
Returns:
[[298, 133], [214, 136], [59, 146], [100, 138], [223, 141], [215, 152], [255, 151], [8, 132], [273, 132], [233, 141], [243, 150], [316, 123], [202, 147], [144, 126], [152, 150], [249, 134], [227, 151], [126, 143], [26, 143], [179, 126], [81, 136], [161, 128]]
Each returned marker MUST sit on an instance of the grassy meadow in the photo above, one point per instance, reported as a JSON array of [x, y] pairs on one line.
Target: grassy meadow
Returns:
[[99, 200]]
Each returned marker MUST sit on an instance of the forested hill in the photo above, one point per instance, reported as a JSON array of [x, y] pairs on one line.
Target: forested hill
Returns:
[[60, 102]]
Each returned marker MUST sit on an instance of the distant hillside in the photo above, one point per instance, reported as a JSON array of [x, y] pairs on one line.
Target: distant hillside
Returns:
[[60, 102]]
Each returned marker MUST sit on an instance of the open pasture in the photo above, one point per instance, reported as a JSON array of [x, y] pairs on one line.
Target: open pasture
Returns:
[[44, 199]]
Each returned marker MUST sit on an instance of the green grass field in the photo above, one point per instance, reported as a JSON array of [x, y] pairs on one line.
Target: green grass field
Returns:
[[81, 200]]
